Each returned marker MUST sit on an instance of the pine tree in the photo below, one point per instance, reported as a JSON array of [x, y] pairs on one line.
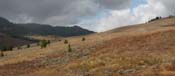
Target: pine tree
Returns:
[[2, 54], [43, 44], [83, 39], [10, 48], [65, 41], [69, 48], [28, 46]]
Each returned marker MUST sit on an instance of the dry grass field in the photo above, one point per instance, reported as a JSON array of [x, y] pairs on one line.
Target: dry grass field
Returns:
[[138, 50], [39, 37]]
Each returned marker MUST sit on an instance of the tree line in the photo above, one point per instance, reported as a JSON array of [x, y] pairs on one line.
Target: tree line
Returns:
[[42, 44]]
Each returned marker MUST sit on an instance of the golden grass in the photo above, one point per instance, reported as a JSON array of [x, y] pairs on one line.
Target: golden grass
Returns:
[[133, 52], [146, 50], [49, 37]]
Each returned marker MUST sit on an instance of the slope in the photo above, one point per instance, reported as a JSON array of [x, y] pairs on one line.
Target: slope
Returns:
[[12, 34], [145, 49]]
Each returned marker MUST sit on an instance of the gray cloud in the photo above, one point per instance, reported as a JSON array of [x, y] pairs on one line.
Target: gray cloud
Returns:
[[169, 5], [114, 4], [57, 12], [69, 12]]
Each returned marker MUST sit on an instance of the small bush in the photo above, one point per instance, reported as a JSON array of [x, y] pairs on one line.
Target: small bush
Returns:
[[48, 42], [65, 41], [43, 44], [10, 48], [69, 48], [6, 48], [28, 46], [154, 19], [83, 39], [2, 54]]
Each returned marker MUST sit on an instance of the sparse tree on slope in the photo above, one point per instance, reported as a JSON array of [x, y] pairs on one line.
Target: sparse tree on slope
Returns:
[[1, 54]]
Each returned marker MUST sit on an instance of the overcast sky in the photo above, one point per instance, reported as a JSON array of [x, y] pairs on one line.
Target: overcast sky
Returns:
[[96, 15]]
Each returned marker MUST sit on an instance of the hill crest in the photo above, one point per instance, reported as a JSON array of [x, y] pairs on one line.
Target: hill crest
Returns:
[[40, 29]]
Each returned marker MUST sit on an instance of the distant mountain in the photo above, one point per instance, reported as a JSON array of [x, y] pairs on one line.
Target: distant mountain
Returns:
[[40, 29], [12, 35], [10, 28]]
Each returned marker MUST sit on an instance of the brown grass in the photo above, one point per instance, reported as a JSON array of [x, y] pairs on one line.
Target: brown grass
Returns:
[[145, 50]]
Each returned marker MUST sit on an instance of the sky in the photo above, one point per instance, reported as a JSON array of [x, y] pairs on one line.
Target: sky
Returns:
[[136, 3], [95, 15]]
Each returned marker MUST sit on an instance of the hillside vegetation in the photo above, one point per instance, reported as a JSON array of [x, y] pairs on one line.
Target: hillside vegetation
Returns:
[[15, 35], [138, 50]]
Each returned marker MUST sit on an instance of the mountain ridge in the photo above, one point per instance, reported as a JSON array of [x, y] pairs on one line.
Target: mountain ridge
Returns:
[[14, 35], [40, 29]]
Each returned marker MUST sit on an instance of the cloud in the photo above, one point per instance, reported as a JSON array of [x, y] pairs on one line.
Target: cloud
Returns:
[[56, 12], [139, 14], [169, 5], [96, 15], [117, 18], [114, 4]]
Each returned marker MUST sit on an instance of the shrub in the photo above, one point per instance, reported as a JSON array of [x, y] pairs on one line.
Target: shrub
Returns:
[[28, 46], [10, 48], [154, 19], [2, 54], [65, 41], [43, 44], [59, 40], [48, 42], [6, 48], [69, 48], [83, 39]]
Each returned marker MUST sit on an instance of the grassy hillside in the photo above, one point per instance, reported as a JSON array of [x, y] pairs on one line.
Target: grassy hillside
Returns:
[[12, 35], [139, 50]]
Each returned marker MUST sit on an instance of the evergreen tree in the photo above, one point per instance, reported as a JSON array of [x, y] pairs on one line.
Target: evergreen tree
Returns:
[[1, 54], [10, 48], [43, 44], [83, 39], [28, 46], [69, 48], [65, 41]]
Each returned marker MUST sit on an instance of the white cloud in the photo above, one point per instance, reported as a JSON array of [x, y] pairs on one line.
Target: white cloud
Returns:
[[56, 12], [169, 5], [85, 12], [118, 17], [140, 14]]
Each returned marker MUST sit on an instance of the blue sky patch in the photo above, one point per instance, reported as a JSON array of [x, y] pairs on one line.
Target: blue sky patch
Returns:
[[136, 3]]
